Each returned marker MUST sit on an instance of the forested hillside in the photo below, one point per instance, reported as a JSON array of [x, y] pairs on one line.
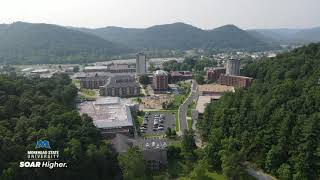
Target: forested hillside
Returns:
[[24, 43], [36, 109], [181, 36], [288, 36], [275, 123]]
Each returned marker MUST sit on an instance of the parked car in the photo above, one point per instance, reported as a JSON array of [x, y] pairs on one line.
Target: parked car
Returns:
[[160, 128]]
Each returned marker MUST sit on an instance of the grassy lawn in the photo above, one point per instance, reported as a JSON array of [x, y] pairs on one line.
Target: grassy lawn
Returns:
[[88, 94], [89, 98], [177, 122], [177, 101], [154, 135], [190, 107], [189, 121], [76, 82]]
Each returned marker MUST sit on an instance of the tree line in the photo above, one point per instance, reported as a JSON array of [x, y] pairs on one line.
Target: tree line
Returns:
[[274, 124], [35, 109]]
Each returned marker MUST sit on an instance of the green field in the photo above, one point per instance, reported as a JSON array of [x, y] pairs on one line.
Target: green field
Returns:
[[189, 121], [76, 82]]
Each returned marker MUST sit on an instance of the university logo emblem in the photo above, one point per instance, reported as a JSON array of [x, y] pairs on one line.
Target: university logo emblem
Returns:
[[43, 144]]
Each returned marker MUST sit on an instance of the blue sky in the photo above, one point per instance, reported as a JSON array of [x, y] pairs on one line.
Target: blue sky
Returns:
[[206, 14]]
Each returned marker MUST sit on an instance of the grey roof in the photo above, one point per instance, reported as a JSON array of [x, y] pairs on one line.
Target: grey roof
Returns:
[[108, 114], [122, 81], [155, 155]]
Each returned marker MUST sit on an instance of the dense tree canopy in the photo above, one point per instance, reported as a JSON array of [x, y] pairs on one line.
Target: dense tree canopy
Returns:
[[275, 123], [189, 64], [132, 164], [33, 109]]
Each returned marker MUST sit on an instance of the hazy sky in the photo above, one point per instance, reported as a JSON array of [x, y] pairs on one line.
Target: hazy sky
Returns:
[[205, 14]]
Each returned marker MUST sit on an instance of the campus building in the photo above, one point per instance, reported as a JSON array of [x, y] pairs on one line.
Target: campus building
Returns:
[[160, 80], [120, 86], [213, 74], [92, 80], [122, 68], [214, 89], [141, 64], [110, 115], [176, 76], [236, 81], [233, 67], [154, 150], [208, 93], [96, 69]]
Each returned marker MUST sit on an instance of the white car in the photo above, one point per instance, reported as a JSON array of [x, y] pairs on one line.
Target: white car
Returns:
[[160, 128]]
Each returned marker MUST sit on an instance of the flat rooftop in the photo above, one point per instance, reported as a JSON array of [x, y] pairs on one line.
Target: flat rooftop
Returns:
[[203, 101], [215, 88], [107, 113], [96, 67], [160, 72], [240, 77]]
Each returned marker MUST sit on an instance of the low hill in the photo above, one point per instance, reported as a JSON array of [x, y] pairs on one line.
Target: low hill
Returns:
[[180, 36], [44, 43]]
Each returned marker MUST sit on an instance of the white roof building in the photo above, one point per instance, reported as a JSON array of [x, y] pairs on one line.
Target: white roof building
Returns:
[[108, 113]]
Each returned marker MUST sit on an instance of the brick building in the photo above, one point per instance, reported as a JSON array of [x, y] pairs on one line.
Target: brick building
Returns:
[[236, 81], [160, 80], [213, 74], [176, 76]]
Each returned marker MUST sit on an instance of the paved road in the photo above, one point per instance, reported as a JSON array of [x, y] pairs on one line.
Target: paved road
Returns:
[[183, 109]]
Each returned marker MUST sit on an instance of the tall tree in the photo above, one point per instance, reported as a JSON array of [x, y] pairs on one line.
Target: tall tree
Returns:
[[132, 164]]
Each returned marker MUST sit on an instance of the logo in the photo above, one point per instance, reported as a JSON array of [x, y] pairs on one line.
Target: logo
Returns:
[[42, 157], [43, 144]]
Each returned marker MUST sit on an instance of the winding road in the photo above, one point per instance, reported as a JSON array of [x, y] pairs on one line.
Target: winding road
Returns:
[[183, 109]]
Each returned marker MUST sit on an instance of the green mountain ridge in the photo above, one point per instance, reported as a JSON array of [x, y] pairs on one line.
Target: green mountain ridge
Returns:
[[180, 36], [44, 43]]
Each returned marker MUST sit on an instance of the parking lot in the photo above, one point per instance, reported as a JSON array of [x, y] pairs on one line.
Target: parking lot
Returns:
[[168, 121]]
